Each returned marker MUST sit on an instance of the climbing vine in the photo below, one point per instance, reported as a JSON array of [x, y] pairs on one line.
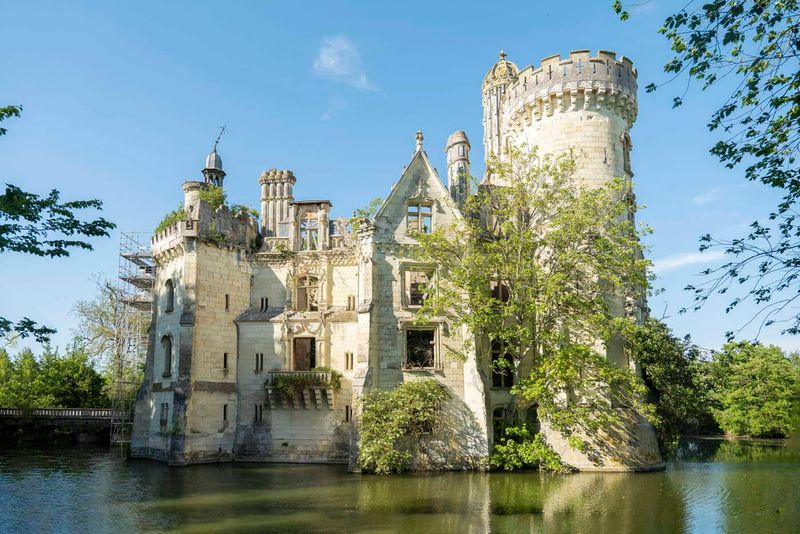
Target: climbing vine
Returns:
[[393, 421]]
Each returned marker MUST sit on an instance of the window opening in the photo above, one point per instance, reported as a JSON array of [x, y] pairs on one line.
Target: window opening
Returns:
[[417, 285], [502, 366], [419, 218], [305, 353], [166, 344], [309, 231], [307, 289], [420, 351], [169, 296]]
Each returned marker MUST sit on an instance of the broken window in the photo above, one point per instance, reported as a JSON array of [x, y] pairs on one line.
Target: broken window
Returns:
[[502, 366], [500, 291], [309, 231], [417, 284], [419, 218], [420, 348], [169, 296], [166, 345], [499, 423], [307, 288]]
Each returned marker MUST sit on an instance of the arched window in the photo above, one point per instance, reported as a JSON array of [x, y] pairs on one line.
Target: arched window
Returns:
[[502, 366], [169, 296], [307, 293], [166, 345]]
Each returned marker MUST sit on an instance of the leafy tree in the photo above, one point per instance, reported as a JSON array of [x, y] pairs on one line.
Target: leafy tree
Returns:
[[672, 370], [71, 380], [214, 195], [754, 386], [754, 47], [369, 211], [544, 266], [42, 226], [105, 328], [393, 421], [52, 381]]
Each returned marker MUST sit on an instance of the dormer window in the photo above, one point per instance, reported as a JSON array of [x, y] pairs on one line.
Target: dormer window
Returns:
[[307, 291], [419, 218], [309, 231]]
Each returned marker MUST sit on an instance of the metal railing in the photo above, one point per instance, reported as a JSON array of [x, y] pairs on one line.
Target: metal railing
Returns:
[[58, 413]]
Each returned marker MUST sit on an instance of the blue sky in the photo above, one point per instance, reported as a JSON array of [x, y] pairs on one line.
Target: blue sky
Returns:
[[123, 100]]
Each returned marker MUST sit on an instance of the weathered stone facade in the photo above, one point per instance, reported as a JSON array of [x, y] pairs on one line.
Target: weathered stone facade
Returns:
[[240, 305]]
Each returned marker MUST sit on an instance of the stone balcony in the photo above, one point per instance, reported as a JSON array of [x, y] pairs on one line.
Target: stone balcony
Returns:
[[299, 390]]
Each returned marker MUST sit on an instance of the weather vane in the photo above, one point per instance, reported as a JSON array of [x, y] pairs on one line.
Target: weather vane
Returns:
[[221, 131]]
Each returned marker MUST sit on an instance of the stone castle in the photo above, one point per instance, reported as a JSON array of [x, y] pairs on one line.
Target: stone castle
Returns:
[[243, 307]]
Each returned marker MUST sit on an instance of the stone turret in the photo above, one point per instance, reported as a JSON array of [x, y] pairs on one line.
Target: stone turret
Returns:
[[213, 172], [457, 150], [582, 103], [495, 88], [276, 196]]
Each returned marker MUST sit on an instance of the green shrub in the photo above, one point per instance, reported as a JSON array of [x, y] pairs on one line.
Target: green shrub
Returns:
[[393, 421], [754, 385], [214, 196], [177, 215], [291, 384], [519, 448], [240, 209]]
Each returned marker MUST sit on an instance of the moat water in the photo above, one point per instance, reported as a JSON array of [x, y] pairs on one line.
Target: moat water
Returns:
[[711, 486]]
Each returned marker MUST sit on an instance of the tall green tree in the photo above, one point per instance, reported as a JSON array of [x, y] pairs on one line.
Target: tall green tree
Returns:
[[544, 267], [754, 389], [42, 226], [673, 372], [753, 46], [107, 330], [71, 380]]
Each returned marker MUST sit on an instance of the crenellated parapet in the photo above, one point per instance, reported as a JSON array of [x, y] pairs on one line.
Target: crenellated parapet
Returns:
[[579, 82]]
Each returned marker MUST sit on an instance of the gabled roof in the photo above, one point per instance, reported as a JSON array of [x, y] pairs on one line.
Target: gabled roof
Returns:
[[423, 156]]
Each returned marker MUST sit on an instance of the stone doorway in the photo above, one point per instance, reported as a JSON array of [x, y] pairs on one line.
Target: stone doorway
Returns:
[[305, 353]]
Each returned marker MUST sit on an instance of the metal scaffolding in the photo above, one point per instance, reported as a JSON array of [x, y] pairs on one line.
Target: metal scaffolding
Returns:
[[137, 271]]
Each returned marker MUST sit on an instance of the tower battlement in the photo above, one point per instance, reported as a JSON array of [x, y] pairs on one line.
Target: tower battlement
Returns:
[[581, 81]]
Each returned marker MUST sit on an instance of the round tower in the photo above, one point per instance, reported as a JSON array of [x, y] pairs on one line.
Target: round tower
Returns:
[[495, 89], [457, 150], [276, 195], [583, 103], [213, 172]]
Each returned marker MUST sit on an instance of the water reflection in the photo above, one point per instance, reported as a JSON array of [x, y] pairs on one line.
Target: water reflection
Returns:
[[711, 486]]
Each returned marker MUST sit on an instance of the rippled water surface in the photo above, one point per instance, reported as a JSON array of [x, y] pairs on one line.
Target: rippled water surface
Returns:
[[711, 486]]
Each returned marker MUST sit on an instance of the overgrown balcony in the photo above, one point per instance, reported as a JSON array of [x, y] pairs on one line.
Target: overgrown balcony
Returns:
[[302, 389]]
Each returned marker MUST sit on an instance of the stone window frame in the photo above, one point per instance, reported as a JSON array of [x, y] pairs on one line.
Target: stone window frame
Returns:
[[163, 421], [506, 379], [408, 267], [169, 296], [437, 358], [167, 356], [296, 291], [304, 226], [418, 214]]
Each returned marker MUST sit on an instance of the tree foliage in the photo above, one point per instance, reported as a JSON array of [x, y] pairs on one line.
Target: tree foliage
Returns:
[[546, 266], [753, 387], [42, 226], [214, 195], [107, 329], [753, 48], [673, 372], [368, 211], [393, 421], [51, 381], [171, 218]]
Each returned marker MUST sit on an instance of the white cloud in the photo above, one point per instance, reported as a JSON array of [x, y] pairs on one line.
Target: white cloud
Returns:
[[338, 59], [677, 261], [705, 197]]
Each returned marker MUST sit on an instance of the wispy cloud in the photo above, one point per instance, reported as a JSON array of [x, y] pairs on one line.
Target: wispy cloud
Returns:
[[715, 193], [712, 195], [338, 60], [677, 261]]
